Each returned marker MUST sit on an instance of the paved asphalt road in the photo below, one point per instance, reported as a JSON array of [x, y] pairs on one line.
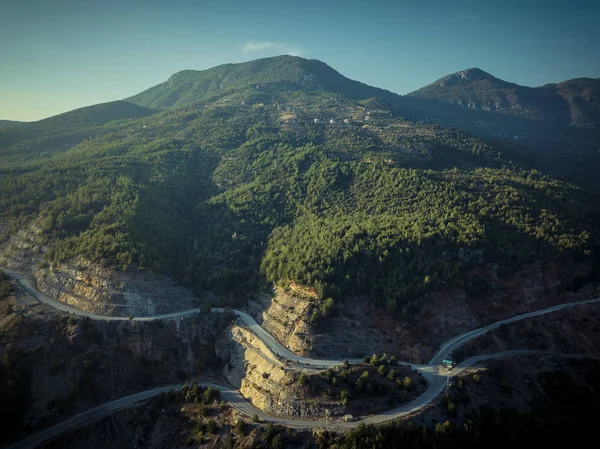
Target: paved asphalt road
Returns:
[[436, 376]]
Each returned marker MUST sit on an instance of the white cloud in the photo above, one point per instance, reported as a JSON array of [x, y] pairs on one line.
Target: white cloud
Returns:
[[467, 17], [254, 46]]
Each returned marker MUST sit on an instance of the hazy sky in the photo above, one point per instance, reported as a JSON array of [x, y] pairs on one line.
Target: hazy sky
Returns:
[[58, 55]]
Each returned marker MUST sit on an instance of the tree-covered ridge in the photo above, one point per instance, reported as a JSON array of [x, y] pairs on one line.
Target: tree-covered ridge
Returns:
[[45, 137], [290, 72], [244, 189], [5, 124], [96, 115]]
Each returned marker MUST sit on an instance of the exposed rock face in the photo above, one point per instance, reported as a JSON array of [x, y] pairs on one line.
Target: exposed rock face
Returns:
[[91, 287], [284, 316], [265, 380], [100, 290], [23, 250], [362, 329], [63, 365]]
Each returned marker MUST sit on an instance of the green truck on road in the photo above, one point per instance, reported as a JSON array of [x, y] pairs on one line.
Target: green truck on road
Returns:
[[448, 364]]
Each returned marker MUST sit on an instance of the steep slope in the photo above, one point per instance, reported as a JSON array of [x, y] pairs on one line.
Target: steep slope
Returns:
[[583, 97], [574, 102], [229, 197], [288, 72], [557, 125], [277, 183]]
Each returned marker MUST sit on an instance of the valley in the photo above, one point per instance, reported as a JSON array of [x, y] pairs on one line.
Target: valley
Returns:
[[312, 247]]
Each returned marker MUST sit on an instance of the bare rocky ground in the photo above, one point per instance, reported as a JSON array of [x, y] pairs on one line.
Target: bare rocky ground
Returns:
[[78, 363], [54, 366], [361, 328], [547, 386], [92, 287]]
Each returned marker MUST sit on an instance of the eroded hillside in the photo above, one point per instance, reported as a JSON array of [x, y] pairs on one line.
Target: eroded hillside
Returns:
[[54, 366]]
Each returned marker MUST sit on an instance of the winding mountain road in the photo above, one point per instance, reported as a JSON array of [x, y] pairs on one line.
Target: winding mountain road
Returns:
[[436, 376]]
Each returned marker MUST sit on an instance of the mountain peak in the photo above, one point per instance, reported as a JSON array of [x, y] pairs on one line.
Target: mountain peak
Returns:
[[472, 75], [287, 72]]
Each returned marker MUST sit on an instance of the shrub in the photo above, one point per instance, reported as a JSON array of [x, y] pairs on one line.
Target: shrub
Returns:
[[240, 426], [277, 442]]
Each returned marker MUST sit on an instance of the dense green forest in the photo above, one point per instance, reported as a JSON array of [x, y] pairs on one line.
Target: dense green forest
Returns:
[[245, 189]]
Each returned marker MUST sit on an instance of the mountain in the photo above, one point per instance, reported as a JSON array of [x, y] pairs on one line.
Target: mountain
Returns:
[[556, 125], [58, 132], [283, 171], [285, 72], [583, 98], [570, 103], [95, 115], [4, 124]]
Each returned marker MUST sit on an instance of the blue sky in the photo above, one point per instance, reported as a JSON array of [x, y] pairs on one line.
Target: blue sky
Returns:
[[58, 55]]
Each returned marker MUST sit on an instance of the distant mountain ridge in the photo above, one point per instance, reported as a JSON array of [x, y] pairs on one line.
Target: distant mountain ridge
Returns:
[[95, 115], [556, 125], [570, 103], [5, 124], [290, 72], [63, 130]]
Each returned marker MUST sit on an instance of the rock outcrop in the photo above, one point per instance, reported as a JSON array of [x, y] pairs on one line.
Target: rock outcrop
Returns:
[[284, 315], [92, 287], [266, 381]]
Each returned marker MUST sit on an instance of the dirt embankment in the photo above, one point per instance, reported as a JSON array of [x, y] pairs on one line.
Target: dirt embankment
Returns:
[[360, 328], [54, 366], [299, 392]]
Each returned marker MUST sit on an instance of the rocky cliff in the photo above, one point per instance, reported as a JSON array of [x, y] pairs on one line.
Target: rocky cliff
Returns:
[[92, 287], [54, 366], [266, 381], [361, 328], [283, 315]]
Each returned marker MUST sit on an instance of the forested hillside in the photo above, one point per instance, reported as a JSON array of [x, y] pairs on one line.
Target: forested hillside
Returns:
[[4, 124], [270, 183], [287, 72], [44, 137]]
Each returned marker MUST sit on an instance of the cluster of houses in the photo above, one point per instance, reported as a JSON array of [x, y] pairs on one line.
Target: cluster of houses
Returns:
[[332, 121]]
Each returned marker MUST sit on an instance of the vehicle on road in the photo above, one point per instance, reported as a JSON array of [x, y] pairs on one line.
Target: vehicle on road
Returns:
[[448, 364]]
